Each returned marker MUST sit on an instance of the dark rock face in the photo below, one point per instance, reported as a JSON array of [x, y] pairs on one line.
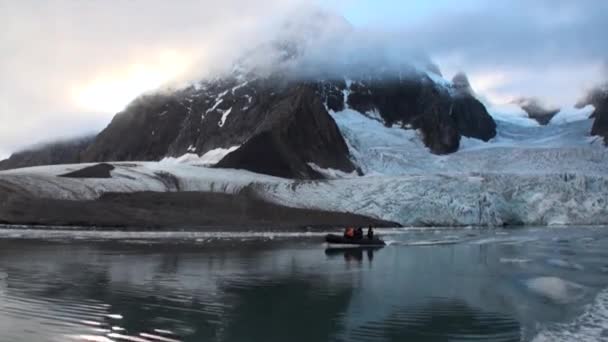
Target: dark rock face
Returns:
[[472, 119], [537, 111], [600, 125], [470, 116], [95, 171], [299, 130], [143, 131], [64, 152], [281, 127]]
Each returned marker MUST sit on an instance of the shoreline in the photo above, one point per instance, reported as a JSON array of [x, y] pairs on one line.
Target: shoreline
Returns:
[[182, 211]]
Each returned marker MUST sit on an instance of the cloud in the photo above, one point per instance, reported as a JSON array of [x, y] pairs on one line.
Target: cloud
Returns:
[[551, 49], [68, 66]]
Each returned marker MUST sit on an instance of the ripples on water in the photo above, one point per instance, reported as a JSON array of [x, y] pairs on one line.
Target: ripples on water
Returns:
[[431, 285]]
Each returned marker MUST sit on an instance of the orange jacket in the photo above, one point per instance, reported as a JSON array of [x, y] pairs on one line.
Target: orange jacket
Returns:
[[350, 232]]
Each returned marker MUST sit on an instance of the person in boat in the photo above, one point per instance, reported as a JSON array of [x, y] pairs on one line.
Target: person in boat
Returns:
[[349, 233], [370, 232], [359, 233]]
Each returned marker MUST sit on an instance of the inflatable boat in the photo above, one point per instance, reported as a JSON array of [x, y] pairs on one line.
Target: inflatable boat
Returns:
[[339, 241]]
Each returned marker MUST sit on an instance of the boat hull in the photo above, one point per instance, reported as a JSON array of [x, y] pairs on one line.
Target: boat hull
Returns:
[[337, 241]]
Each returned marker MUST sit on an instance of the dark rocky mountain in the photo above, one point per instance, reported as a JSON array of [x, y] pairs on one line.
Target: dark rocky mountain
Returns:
[[600, 125], [536, 110], [61, 152], [282, 125], [470, 115]]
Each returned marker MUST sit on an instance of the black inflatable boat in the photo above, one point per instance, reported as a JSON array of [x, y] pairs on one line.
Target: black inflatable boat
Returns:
[[340, 241]]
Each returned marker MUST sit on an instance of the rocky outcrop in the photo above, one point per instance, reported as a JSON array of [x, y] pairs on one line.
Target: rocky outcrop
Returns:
[[472, 119], [61, 152], [537, 111], [600, 124], [296, 131], [470, 115]]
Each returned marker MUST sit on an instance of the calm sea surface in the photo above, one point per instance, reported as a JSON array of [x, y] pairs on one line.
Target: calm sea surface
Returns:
[[546, 284]]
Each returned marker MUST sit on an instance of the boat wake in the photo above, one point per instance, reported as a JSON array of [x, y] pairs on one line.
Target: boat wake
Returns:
[[591, 326]]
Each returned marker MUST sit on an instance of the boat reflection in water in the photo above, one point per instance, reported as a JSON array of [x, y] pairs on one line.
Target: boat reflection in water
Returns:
[[353, 254]]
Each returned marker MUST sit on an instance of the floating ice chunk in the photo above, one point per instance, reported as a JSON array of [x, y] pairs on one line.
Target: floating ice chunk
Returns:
[[565, 264], [91, 338], [158, 338], [514, 260], [127, 338], [556, 289]]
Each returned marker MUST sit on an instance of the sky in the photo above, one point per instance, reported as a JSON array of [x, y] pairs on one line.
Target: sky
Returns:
[[68, 66]]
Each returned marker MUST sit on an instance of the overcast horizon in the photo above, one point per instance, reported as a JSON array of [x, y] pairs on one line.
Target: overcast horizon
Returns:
[[69, 66]]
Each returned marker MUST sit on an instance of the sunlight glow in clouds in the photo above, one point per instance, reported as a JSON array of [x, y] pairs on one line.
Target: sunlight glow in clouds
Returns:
[[111, 91]]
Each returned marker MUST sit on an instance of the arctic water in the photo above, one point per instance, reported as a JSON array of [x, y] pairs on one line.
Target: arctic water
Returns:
[[533, 284]]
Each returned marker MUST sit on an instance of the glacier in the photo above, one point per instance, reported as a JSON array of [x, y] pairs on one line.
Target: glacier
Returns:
[[528, 174]]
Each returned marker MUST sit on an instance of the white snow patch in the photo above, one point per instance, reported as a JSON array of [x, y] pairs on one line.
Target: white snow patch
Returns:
[[224, 117], [217, 103], [346, 91], [191, 148], [210, 158], [213, 157], [374, 114], [332, 173], [239, 86]]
